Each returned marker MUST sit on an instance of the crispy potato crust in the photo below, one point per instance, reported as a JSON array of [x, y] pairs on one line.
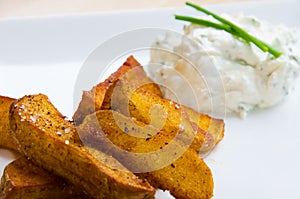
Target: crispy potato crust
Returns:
[[52, 142], [21, 178]]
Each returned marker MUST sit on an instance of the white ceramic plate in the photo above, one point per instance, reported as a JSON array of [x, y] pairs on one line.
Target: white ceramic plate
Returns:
[[259, 156]]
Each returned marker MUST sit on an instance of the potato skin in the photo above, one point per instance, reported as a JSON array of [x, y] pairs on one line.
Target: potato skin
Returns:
[[21, 179], [40, 131]]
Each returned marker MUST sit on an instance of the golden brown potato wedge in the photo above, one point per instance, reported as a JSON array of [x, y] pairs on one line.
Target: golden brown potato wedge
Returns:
[[21, 179], [52, 143], [100, 94], [152, 109], [140, 104], [171, 166], [6, 139], [148, 106], [212, 128]]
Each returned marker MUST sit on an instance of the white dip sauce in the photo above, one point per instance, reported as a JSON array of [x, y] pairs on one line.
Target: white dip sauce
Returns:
[[250, 78]]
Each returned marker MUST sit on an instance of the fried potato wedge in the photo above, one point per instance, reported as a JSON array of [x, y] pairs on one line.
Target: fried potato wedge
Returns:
[[21, 179], [213, 128], [142, 104], [171, 166], [52, 143], [6, 139], [126, 95], [99, 95], [152, 109]]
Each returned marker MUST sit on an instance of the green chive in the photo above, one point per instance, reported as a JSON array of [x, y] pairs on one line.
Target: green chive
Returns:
[[228, 27]]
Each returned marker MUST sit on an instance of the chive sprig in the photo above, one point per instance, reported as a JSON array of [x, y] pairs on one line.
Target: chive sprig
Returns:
[[228, 27]]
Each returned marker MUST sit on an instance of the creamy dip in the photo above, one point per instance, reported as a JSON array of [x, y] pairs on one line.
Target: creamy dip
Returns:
[[227, 73]]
